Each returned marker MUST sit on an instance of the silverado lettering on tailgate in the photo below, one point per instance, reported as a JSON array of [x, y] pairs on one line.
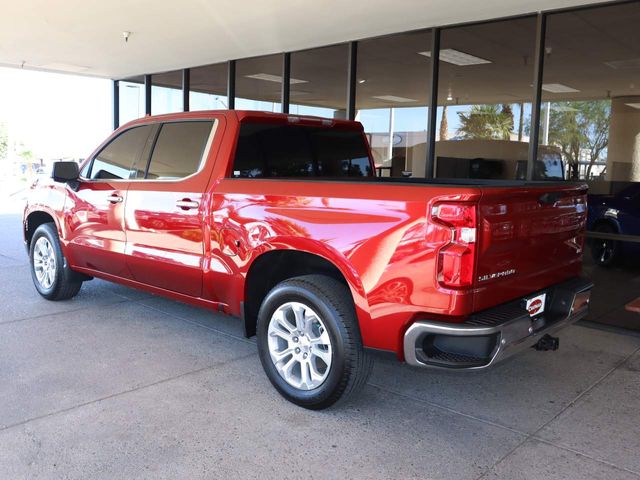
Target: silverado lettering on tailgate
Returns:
[[491, 276]]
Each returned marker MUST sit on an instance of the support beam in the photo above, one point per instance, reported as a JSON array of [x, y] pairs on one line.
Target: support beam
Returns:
[[231, 84], [186, 87], [433, 104], [116, 104], [351, 80], [147, 94], [538, 71], [286, 82]]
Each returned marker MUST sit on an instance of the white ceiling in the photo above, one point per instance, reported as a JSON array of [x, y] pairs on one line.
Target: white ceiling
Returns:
[[85, 36]]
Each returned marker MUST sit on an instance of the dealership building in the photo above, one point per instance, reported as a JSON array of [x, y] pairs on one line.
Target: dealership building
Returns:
[[465, 98], [466, 88]]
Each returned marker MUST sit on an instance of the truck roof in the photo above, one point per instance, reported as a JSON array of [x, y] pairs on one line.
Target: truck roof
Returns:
[[244, 115]]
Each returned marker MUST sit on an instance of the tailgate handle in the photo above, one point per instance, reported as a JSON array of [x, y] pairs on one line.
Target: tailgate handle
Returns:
[[549, 198]]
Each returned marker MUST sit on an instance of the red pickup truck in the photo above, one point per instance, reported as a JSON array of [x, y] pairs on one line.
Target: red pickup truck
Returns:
[[279, 220]]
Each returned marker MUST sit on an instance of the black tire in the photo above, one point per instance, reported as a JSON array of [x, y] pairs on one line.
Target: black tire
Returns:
[[66, 283], [350, 364], [604, 252]]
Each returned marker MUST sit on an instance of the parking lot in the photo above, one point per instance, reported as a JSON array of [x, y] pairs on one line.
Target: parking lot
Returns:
[[117, 383]]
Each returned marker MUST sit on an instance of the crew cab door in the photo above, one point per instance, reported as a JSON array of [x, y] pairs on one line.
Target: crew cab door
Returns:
[[165, 209], [95, 212]]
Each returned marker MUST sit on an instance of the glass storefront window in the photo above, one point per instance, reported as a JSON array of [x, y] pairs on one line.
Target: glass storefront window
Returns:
[[166, 92], [131, 99], [318, 82], [392, 99], [590, 107], [209, 88], [259, 83], [590, 112], [484, 102]]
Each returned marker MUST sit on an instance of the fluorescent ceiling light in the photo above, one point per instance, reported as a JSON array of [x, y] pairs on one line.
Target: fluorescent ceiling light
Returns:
[[558, 88], [633, 105], [633, 63], [457, 57], [393, 98], [273, 78]]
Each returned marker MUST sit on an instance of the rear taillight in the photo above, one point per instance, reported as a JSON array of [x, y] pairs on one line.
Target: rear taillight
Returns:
[[456, 259]]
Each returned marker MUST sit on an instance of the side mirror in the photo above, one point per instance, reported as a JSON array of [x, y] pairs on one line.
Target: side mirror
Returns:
[[64, 172]]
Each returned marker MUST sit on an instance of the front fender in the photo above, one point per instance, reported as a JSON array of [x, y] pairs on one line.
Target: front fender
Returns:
[[48, 199]]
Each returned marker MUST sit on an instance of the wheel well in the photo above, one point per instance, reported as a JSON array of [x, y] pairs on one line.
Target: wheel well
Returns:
[[34, 220], [273, 267], [604, 221]]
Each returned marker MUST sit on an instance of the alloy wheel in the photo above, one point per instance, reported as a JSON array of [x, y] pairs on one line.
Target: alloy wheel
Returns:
[[299, 346], [44, 262]]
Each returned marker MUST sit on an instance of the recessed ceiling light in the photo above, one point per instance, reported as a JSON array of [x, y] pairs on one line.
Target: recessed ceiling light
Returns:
[[393, 98], [558, 88], [457, 57], [633, 105], [361, 80], [273, 78]]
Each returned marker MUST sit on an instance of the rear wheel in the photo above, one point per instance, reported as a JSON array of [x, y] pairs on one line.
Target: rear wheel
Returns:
[[51, 275], [605, 252], [309, 341]]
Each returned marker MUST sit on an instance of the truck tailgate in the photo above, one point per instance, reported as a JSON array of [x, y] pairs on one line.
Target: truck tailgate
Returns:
[[528, 239]]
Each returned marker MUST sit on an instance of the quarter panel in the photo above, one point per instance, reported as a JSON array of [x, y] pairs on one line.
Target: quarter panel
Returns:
[[375, 234]]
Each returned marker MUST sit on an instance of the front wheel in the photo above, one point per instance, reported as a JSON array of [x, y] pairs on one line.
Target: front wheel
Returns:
[[309, 341], [52, 277]]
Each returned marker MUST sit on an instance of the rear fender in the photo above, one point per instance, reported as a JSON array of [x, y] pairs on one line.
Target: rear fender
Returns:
[[331, 255]]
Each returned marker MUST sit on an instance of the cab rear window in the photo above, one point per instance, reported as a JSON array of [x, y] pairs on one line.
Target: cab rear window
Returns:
[[295, 151], [179, 150]]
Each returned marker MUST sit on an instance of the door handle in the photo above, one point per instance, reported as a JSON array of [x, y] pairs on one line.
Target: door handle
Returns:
[[114, 198], [187, 204]]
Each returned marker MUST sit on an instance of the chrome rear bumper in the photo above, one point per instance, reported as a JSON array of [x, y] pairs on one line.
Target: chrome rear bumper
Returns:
[[491, 336]]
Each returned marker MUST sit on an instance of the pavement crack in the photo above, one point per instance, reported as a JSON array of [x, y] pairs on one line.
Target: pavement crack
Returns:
[[191, 322], [585, 455], [534, 436], [447, 409], [125, 392], [66, 312]]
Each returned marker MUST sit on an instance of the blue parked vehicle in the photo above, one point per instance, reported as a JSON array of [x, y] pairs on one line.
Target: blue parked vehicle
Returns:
[[615, 214]]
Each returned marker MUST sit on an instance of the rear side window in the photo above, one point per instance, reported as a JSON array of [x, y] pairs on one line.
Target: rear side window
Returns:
[[118, 159], [179, 150], [266, 150]]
